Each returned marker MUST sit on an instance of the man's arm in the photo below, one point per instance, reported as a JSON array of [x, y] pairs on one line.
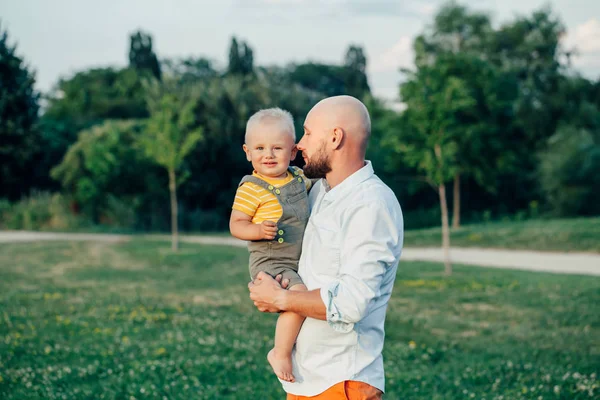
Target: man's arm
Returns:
[[269, 296], [368, 251], [241, 226]]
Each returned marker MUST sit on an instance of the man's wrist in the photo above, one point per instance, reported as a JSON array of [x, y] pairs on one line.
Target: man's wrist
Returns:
[[282, 300]]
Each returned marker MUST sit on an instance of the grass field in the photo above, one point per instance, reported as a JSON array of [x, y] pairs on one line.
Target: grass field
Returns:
[[132, 320], [578, 234]]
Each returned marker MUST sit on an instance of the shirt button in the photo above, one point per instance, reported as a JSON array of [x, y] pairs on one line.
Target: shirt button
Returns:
[[280, 240], [277, 191], [280, 232], [270, 187]]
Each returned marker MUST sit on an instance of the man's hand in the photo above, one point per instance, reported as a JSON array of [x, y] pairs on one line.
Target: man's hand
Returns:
[[266, 292], [268, 230]]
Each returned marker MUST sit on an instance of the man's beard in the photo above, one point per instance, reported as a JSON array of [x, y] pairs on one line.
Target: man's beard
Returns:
[[318, 165]]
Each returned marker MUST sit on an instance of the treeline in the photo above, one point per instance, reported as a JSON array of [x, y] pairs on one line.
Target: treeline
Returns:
[[496, 123]]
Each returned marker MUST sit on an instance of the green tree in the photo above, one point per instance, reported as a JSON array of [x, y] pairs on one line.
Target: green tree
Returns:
[[355, 80], [241, 58], [19, 136], [568, 171], [323, 78], [104, 164], [83, 100], [436, 103], [141, 54], [172, 133], [190, 70], [92, 96], [460, 36]]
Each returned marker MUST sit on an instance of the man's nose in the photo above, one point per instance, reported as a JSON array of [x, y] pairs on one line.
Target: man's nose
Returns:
[[300, 144]]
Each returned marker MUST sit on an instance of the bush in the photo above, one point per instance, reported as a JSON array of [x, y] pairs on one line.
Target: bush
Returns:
[[40, 211], [199, 220], [568, 171]]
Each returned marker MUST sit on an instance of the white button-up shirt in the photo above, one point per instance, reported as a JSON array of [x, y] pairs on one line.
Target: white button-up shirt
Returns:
[[351, 249]]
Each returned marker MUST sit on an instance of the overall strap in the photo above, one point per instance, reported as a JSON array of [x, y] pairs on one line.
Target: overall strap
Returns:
[[256, 181]]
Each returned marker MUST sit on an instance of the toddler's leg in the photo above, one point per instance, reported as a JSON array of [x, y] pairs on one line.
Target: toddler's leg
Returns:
[[288, 326]]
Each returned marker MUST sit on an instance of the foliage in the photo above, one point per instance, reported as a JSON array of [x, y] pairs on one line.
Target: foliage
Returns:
[[355, 64], [40, 212], [241, 58], [19, 135], [141, 54], [569, 171], [104, 162], [172, 129], [91, 96]]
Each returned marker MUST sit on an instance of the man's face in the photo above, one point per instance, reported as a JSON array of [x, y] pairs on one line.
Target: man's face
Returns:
[[270, 148], [314, 147]]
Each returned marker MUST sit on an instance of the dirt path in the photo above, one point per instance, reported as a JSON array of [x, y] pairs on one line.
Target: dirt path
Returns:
[[556, 262]]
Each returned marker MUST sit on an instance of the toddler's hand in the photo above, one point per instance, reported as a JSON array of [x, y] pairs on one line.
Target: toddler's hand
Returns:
[[268, 230]]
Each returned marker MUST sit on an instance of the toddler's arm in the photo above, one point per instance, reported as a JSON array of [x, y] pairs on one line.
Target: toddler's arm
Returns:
[[241, 227]]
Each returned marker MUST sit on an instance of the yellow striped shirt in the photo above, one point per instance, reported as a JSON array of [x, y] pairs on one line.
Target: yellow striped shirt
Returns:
[[260, 203]]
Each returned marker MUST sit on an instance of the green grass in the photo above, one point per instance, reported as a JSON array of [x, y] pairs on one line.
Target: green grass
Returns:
[[132, 320], [579, 234]]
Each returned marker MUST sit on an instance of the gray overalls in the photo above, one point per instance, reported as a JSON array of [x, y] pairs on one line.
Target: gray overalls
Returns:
[[281, 255]]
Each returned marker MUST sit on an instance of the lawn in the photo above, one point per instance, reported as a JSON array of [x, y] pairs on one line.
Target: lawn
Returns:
[[578, 234], [133, 320]]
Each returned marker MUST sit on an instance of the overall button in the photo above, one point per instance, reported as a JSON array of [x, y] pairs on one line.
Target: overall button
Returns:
[[277, 191], [280, 232], [296, 173], [280, 240], [270, 187], [299, 179]]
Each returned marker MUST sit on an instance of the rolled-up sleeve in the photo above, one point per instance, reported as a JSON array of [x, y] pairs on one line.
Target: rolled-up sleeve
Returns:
[[370, 241]]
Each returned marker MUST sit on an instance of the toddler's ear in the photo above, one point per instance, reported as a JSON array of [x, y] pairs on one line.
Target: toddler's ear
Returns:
[[247, 151], [294, 152]]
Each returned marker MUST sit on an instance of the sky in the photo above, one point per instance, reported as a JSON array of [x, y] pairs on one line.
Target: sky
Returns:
[[60, 37]]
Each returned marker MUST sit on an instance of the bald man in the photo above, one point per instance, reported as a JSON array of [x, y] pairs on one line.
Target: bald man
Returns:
[[350, 254]]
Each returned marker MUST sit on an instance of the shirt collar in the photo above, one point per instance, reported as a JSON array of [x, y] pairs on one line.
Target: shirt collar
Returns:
[[349, 183]]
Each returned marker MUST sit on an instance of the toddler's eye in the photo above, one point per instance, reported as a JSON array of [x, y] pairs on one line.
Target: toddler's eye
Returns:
[[259, 148]]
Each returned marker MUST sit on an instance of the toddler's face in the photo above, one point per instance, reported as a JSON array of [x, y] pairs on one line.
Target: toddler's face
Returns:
[[270, 148]]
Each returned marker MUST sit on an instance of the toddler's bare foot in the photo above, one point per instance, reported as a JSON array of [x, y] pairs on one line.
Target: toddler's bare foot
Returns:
[[282, 365]]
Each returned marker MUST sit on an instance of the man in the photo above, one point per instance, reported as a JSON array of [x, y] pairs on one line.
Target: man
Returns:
[[350, 254]]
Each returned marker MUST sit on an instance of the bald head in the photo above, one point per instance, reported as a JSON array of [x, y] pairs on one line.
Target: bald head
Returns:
[[347, 113]]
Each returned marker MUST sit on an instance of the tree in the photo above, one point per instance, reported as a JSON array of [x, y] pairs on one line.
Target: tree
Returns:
[[19, 136], [356, 72], [104, 164], [86, 99], [141, 55], [190, 70], [172, 133], [436, 102], [241, 58], [568, 171], [322, 78], [92, 96], [461, 34]]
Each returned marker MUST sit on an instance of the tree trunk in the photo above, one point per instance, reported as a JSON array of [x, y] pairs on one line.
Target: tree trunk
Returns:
[[173, 191], [456, 202], [445, 229]]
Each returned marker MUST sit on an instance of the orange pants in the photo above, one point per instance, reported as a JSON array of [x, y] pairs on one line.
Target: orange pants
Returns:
[[347, 390]]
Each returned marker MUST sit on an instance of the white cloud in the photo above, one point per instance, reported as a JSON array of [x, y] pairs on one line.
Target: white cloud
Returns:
[[400, 55], [585, 39]]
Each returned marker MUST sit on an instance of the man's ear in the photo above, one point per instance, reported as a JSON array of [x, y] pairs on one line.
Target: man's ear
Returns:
[[337, 137], [247, 151], [294, 153]]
